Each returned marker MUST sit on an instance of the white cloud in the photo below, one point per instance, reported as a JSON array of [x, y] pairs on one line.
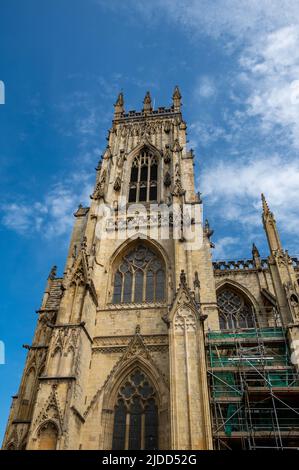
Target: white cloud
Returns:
[[18, 217], [233, 190], [271, 71], [206, 133], [53, 215], [225, 246], [205, 88], [238, 18], [269, 32], [87, 125]]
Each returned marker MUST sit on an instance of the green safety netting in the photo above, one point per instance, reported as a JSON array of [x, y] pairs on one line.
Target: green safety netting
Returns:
[[232, 419], [250, 333], [225, 385]]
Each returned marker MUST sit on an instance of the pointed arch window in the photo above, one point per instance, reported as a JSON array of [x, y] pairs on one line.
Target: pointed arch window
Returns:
[[144, 177], [28, 394], [234, 311], [48, 436], [136, 415], [140, 277]]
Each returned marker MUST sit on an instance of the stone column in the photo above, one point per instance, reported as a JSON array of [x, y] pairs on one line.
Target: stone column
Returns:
[[190, 414]]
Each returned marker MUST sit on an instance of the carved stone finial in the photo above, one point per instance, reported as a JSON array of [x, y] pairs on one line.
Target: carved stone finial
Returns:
[[196, 280], [176, 93], [177, 187], [199, 197], [81, 211], [196, 284], [208, 231], [176, 98], [119, 106], [117, 184], [99, 165], [74, 252], [292, 297], [183, 279], [108, 153], [52, 273], [167, 154], [147, 102], [266, 210], [120, 99], [265, 204], [255, 251], [137, 330], [84, 243], [99, 191], [167, 179], [176, 146], [256, 257]]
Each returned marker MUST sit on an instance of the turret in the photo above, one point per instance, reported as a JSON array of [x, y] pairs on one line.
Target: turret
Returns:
[[256, 256]]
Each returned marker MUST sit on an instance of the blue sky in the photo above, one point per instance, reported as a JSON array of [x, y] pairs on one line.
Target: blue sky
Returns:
[[63, 63]]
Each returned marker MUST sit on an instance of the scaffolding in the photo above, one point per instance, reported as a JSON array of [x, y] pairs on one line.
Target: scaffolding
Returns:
[[254, 388]]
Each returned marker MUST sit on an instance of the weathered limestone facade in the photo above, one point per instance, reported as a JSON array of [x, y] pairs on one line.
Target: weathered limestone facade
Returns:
[[90, 339]]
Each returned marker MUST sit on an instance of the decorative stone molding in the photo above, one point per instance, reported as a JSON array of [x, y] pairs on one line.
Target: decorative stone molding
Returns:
[[184, 319], [18, 436], [136, 350], [65, 339], [51, 410]]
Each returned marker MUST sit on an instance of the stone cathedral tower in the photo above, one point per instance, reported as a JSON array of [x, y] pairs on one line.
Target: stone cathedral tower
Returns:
[[132, 344]]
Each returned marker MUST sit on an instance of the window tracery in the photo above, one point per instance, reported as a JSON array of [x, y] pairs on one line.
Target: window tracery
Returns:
[[235, 312], [136, 415], [140, 277]]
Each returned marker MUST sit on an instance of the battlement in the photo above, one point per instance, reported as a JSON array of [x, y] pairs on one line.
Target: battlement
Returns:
[[247, 264], [148, 110], [137, 115], [238, 265]]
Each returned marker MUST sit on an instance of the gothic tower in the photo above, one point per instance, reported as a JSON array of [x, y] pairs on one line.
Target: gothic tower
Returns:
[[122, 356]]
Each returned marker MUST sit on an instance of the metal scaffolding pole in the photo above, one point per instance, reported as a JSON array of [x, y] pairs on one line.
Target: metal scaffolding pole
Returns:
[[233, 368]]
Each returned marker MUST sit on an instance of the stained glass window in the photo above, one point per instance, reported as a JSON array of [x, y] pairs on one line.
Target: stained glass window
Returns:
[[235, 312], [136, 415], [117, 288], [139, 286], [119, 425], [127, 294], [150, 286], [140, 277]]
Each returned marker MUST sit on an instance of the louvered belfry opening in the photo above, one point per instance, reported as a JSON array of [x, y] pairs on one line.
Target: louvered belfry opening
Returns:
[[144, 177]]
